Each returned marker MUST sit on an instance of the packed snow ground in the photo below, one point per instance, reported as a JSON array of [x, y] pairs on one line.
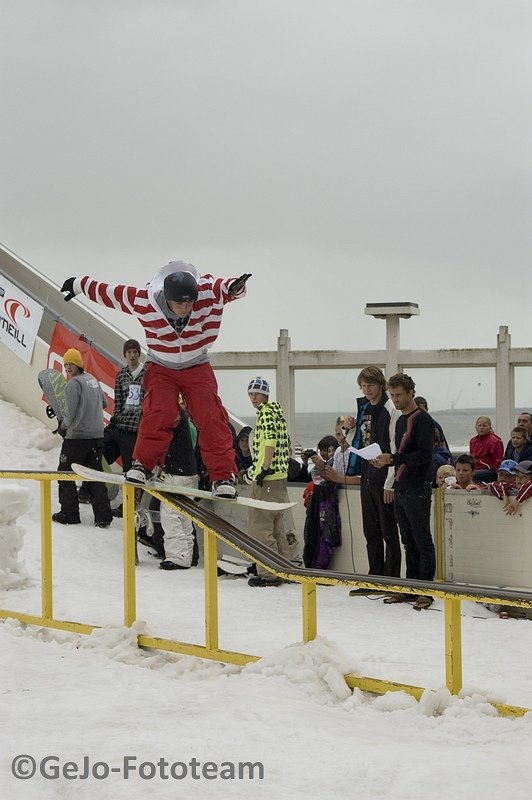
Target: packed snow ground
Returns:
[[101, 697]]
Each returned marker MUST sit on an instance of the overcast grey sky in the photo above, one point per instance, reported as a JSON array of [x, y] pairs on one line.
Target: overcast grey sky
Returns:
[[344, 152]]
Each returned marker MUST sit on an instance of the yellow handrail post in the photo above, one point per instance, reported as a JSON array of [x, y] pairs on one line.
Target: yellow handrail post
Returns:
[[210, 570], [128, 536], [439, 534], [453, 644], [310, 623], [46, 550]]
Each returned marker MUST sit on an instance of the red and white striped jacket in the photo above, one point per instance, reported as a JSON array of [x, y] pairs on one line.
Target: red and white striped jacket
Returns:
[[164, 345], [524, 493]]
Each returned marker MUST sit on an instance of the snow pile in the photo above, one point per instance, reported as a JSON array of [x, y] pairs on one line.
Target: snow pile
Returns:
[[120, 644], [26, 442], [317, 668], [436, 703], [26, 445], [14, 501], [44, 440], [42, 635]]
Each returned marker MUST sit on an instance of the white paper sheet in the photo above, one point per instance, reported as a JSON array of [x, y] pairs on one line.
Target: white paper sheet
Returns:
[[369, 452]]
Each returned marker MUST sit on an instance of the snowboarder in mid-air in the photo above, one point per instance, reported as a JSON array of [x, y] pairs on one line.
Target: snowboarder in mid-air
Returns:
[[181, 312]]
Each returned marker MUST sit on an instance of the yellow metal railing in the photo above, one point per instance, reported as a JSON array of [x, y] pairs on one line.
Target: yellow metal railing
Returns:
[[211, 649]]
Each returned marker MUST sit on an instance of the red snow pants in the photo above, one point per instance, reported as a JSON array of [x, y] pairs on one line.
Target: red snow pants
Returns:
[[160, 415]]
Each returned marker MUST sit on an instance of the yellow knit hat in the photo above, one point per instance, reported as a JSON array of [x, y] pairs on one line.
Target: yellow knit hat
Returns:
[[73, 356]]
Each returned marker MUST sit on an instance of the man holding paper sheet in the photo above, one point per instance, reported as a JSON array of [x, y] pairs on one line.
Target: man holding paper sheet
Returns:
[[376, 420], [414, 437]]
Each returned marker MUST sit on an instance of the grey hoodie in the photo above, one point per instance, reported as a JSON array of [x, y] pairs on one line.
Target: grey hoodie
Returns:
[[85, 402]]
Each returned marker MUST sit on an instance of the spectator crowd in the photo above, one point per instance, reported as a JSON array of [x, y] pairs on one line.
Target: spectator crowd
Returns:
[[169, 423]]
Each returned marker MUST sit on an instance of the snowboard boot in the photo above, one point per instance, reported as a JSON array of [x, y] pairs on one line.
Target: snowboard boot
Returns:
[[225, 488], [166, 564], [84, 495], [66, 519], [256, 581], [144, 538], [138, 474]]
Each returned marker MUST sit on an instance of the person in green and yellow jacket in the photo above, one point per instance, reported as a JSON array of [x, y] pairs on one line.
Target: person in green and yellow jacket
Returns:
[[271, 451]]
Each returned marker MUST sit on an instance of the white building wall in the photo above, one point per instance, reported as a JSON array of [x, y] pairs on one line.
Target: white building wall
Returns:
[[483, 545]]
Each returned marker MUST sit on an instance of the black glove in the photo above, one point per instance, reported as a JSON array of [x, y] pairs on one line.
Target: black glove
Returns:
[[68, 287], [239, 284], [262, 474], [50, 413], [61, 431]]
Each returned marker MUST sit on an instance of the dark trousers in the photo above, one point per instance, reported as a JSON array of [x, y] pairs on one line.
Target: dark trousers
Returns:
[[380, 531], [485, 476], [118, 444], [89, 453], [412, 509]]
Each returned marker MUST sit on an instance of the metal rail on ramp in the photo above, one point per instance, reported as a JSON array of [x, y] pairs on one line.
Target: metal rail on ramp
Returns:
[[214, 527]]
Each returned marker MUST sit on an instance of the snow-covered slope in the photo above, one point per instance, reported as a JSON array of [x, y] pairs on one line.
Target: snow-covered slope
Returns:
[[72, 696]]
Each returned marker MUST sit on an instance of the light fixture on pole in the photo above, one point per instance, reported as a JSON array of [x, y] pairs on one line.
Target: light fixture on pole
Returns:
[[392, 313]]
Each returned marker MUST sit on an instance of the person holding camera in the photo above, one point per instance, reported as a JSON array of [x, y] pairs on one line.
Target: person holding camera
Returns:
[[244, 459], [314, 461]]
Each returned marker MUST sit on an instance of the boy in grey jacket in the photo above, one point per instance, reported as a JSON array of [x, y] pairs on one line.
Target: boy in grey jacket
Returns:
[[82, 428]]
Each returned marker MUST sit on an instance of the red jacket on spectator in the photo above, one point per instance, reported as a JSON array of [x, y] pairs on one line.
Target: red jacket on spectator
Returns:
[[487, 450]]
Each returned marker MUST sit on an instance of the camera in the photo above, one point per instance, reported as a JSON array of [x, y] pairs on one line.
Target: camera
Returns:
[[308, 453]]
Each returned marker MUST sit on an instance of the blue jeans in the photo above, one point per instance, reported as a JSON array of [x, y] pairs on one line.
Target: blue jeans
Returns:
[[412, 509]]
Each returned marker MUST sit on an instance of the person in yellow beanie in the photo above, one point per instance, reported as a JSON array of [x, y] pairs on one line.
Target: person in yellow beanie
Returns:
[[73, 356], [82, 429]]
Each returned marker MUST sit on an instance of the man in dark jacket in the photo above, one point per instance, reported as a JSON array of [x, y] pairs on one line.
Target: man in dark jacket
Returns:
[[414, 437], [519, 448], [377, 425]]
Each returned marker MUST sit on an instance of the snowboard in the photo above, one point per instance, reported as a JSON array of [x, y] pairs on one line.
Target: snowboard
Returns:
[[187, 491], [231, 565], [53, 385]]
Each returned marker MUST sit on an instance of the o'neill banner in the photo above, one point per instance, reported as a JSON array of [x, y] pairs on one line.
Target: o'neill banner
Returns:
[[20, 317]]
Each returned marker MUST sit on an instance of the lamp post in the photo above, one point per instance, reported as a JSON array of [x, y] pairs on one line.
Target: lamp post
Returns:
[[392, 313]]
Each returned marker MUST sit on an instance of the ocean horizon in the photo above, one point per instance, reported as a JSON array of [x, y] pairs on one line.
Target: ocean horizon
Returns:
[[458, 425]]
